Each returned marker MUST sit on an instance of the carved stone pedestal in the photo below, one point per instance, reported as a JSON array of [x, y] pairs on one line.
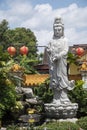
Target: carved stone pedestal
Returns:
[[62, 111]]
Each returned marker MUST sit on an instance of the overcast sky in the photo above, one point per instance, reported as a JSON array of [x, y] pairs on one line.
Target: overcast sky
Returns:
[[38, 15]]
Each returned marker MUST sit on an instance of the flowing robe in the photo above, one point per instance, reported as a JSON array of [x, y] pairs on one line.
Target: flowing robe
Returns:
[[57, 51]]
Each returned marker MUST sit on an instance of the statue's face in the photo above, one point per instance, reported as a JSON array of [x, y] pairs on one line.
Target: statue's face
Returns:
[[58, 31]]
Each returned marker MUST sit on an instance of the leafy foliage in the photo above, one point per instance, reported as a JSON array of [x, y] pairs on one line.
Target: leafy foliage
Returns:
[[7, 88], [79, 95], [13, 127], [82, 122], [22, 36], [3, 29], [18, 37], [60, 126], [26, 63], [72, 58], [44, 92], [15, 37]]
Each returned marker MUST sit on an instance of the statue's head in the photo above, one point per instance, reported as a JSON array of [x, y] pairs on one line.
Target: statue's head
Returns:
[[58, 28]]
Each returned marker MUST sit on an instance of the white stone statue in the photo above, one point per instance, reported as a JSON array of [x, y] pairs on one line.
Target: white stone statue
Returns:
[[57, 50]]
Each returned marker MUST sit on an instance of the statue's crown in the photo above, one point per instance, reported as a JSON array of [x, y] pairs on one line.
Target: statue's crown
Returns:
[[58, 22]]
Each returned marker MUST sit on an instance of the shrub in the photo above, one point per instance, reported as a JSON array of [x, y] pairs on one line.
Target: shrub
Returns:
[[60, 126], [82, 122], [79, 95], [13, 127], [8, 94], [7, 91], [44, 92]]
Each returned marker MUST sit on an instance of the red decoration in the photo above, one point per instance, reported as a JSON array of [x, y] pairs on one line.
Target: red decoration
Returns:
[[24, 50], [11, 50], [79, 51]]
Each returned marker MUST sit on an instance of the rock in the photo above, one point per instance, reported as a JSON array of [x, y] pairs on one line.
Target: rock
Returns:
[[28, 92], [32, 101]]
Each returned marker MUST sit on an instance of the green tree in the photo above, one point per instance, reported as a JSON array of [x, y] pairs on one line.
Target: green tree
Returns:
[[22, 36], [18, 37], [3, 28]]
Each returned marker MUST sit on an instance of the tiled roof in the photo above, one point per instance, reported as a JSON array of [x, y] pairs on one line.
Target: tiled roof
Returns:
[[34, 79]]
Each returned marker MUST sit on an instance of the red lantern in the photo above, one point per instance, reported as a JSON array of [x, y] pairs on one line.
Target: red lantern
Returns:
[[24, 50], [11, 50], [79, 51]]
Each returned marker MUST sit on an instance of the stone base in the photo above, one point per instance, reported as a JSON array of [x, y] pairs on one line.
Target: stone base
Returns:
[[62, 111], [73, 120]]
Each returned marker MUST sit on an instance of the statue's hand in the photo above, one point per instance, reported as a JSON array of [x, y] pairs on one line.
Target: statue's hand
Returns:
[[56, 57]]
